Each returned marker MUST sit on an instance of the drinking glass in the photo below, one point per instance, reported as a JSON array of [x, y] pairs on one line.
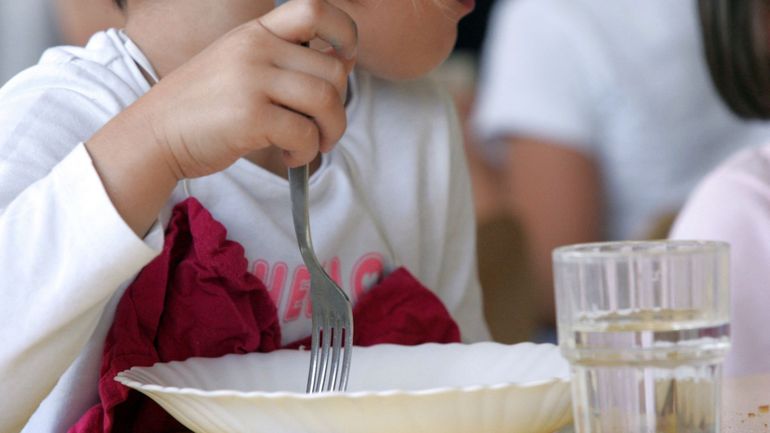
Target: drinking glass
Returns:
[[645, 327]]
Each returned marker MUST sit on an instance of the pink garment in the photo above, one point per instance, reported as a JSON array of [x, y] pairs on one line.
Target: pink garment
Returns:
[[732, 204], [198, 299]]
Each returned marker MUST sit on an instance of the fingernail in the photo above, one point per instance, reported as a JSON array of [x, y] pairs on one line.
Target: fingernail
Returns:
[[347, 54], [354, 51], [352, 54]]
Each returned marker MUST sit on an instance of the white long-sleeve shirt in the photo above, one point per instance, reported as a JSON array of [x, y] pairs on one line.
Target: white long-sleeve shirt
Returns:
[[394, 192]]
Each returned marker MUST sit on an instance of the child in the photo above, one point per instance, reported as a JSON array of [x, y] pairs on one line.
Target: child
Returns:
[[732, 203], [94, 155]]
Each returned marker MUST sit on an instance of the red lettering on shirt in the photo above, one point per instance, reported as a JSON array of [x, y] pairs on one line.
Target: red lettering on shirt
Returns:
[[260, 269], [298, 293], [295, 294], [366, 273], [276, 282]]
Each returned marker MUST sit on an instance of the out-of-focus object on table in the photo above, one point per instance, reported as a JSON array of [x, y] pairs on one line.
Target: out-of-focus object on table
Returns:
[[746, 404]]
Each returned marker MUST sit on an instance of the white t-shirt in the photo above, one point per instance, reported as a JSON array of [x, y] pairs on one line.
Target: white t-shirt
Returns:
[[623, 81], [732, 204], [394, 192]]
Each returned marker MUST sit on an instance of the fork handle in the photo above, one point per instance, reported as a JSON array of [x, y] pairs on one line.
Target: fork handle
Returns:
[[298, 183]]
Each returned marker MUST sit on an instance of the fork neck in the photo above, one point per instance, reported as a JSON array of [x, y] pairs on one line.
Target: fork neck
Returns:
[[271, 159]]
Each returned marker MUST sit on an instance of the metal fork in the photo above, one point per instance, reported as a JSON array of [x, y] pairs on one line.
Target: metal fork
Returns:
[[332, 312]]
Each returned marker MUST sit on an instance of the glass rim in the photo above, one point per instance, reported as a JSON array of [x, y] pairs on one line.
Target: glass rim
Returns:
[[645, 249]]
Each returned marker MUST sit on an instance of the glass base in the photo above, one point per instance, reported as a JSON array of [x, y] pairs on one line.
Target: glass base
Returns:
[[644, 399]]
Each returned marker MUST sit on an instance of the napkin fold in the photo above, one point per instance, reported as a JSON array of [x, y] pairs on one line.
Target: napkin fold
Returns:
[[198, 299]]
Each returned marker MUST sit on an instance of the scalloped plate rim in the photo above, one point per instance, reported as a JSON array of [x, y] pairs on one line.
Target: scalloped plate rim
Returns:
[[132, 383], [123, 378]]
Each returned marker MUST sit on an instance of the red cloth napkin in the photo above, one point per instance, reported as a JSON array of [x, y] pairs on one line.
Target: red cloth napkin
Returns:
[[198, 299]]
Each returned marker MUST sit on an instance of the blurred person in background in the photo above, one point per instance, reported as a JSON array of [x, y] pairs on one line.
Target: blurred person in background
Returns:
[[29, 27], [732, 203], [601, 118], [501, 268], [458, 74]]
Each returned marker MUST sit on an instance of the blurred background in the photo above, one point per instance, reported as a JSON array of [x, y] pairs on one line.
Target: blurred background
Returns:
[[28, 27], [583, 122]]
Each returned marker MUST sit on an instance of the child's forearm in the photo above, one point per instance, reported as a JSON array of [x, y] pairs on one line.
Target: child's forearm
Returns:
[[133, 167], [65, 252]]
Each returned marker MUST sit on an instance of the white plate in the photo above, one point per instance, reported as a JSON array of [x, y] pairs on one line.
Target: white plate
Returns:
[[432, 388]]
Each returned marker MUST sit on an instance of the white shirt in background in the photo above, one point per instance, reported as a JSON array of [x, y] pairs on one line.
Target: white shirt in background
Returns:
[[394, 192], [733, 205], [622, 81]]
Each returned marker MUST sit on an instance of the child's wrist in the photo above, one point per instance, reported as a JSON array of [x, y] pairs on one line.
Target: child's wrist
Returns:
[[132, 169], [153, 140]]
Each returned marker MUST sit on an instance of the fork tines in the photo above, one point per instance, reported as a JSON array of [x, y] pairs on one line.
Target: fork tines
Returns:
[[326, 372]]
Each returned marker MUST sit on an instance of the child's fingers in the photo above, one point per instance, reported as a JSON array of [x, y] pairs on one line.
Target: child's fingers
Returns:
[[349, 63], [296, 134], [312, 97], [324, 66], [300, 21]]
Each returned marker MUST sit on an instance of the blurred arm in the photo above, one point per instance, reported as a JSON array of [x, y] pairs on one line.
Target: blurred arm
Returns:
[[79, 19], [555, 193]]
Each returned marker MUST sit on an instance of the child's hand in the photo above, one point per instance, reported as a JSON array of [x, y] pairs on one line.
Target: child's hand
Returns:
[[257, 87], [253, 88]]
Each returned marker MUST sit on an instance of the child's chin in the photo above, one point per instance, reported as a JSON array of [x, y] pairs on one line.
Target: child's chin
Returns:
[[404, 71]]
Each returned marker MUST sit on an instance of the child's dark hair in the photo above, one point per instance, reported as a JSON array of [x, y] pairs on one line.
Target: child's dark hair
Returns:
[[121, 3], [735, 36]]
